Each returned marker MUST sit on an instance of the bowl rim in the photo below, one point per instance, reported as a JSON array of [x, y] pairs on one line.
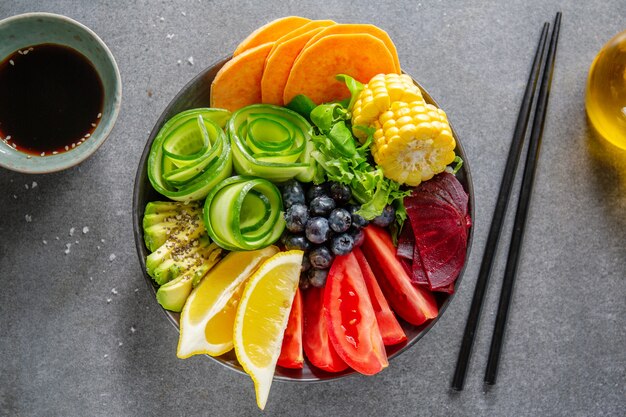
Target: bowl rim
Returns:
[[140, 247], [104, 135]]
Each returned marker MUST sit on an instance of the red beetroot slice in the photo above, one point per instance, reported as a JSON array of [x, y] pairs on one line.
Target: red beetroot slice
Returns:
[[438, 216], [447, 187], [409, 256]]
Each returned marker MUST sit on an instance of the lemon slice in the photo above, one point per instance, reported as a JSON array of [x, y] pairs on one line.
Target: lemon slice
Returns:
[[262, 318], [206, 322]]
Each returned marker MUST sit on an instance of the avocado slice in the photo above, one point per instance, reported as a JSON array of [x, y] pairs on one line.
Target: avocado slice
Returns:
[[172, 295], [163, 218]]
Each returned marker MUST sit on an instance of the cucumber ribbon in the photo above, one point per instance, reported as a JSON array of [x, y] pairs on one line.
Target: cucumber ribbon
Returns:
[[244, 213], [271, 142], [190, 154]]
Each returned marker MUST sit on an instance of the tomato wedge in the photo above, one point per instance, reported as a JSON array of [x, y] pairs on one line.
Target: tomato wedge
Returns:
[[390, 329], [315, 340], [413, 303], [351, 320], [291, 351]]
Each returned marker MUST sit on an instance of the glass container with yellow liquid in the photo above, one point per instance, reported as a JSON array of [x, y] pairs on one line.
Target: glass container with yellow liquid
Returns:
[[606, 91]]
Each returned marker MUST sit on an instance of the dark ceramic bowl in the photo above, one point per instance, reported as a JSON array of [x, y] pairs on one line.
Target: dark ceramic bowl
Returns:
[[196, 94]]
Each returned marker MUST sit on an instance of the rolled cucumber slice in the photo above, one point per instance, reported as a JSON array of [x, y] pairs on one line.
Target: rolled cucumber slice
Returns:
[[271, 142], [190, 154], [244, 213]]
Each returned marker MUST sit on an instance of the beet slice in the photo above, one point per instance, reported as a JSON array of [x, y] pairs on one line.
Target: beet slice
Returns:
[[437, 213]]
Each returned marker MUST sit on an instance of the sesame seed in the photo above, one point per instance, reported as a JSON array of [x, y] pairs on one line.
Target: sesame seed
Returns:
[[136, 289], [56, 238], [43, 154], [161, 19], [8, 137], [28, 218], [34, 184], [108, 300], [132, 329], [28, 157], [179, 62], [106, 356], [93, 125], [45, 242], [15, 196], [54, 152], [114, 291], [14, 145], [73, 145], [11, 62], [98, 247], [170, 36], [112, 257], [72, 231], [67, 248], [87, 135], [85, 230], [120, 344], [76, 241], [31, 49], [190, 60], [19, 51], [183, 13], [67, 148], [26, 186], [99, 115], [102, 240], [26, 52]]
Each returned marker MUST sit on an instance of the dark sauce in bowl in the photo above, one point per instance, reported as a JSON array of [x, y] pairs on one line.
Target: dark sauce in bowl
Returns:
[[51, 99]]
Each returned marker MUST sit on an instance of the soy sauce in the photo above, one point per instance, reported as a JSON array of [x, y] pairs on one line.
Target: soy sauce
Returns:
[[51, 99]]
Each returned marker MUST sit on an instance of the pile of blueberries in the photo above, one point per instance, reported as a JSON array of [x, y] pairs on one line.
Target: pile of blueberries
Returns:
[[322, 222]]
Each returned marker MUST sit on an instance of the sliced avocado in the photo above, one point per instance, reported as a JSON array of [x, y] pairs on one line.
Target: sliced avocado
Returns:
[[172, 296], [156, 207], [164, 218], [179, 240]]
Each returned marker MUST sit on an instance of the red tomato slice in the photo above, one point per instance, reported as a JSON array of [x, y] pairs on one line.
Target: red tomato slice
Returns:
[[315, 340], [390, 329], [291, 351], [350, 316], [413, 303]]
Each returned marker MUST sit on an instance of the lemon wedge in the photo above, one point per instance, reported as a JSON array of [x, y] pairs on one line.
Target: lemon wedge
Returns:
[[206, 322], [262, 317]]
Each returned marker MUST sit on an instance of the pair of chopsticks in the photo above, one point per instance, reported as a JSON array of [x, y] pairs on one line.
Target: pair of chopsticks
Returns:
[[501, 207]]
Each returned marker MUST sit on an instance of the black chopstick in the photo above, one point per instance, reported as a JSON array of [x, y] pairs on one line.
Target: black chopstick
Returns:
[[534, 145], [498, 215]]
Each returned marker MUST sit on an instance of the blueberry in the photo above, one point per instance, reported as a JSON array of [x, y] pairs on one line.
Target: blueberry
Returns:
[[316, 191], [322, 206], [388, 215], [339, 220], [317, 230], [292, 193], [296, 217], [296, 242], [306, 264], [342, 244], [358, 236], [317, 277], [341, 193], [357, 220], [321, 258]]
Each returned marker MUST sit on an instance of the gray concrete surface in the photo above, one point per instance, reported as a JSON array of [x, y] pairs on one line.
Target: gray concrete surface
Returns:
[[80, 335]]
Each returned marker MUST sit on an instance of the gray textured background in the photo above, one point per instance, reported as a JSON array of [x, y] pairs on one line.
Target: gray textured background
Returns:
[[65, 350]]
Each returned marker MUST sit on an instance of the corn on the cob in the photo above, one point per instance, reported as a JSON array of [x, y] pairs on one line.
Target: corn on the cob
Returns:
[[413, 142], [377, 97]]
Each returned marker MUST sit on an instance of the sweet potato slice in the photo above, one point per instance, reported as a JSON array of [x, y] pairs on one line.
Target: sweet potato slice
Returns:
[[238, 82], [270, 32], [313, 24], [359, 55], [278, 65], [345, 28]]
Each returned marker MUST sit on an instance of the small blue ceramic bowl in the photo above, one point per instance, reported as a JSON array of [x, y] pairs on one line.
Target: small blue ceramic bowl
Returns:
[[29, 29]]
